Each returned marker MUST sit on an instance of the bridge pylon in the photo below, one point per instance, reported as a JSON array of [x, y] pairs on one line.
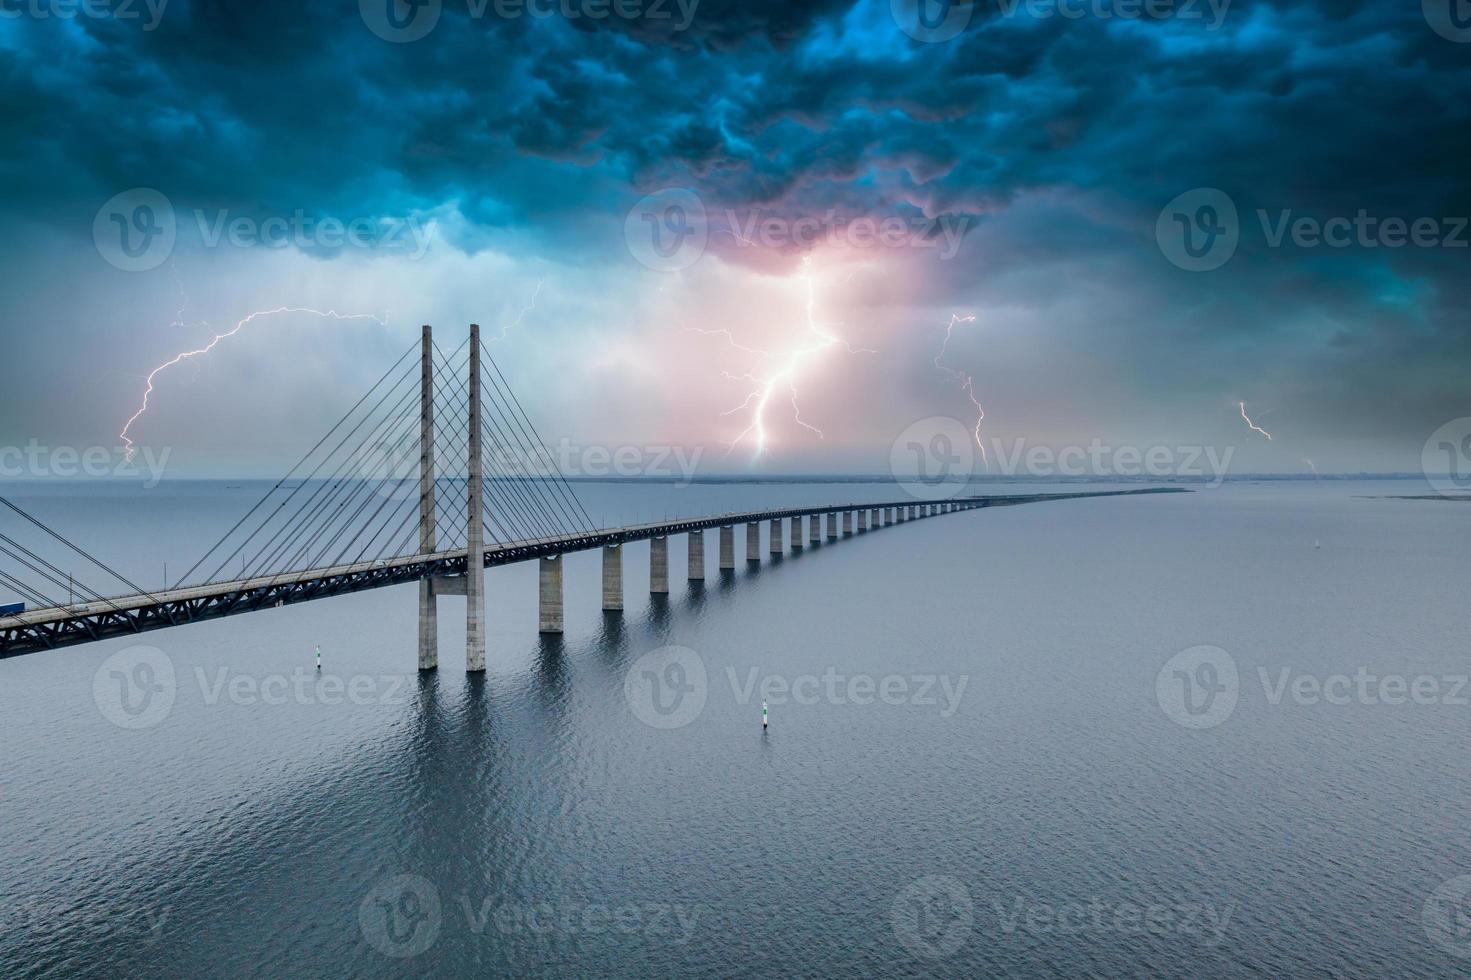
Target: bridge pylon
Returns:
[[428, 605], [472, 584]]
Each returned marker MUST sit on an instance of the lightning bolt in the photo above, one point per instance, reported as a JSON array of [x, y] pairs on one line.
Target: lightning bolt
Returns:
[[966, 382], [128, 448], [528, 308], [1253, 425], [786, 368]]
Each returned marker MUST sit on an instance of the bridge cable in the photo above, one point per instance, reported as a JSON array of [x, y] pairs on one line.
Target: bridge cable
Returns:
[[293, 469], [567, 487]]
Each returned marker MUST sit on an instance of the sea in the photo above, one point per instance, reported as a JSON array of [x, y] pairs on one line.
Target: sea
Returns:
[[1222, 732]]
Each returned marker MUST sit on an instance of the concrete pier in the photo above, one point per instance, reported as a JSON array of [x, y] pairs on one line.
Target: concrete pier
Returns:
[[475, 529], [890, 518], [428, 605], [659, 566], [796, 528], [776, 546], [832, 526], [549, 608], [612, 578], [697, 556], [753, 541], [727, 548], [863, 520], [814, 529], [847, 523]]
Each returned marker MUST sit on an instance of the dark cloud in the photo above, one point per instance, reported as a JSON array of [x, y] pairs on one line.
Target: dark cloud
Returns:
[[546, 128]]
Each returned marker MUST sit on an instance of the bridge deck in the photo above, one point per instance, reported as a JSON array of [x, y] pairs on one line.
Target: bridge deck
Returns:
[[45, 629]]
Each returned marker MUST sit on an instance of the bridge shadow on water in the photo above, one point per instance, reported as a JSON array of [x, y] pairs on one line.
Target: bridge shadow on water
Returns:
[[476, 784]]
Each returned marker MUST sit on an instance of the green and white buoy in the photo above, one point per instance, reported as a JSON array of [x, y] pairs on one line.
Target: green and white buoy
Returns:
[[763, 713], [319, 656]]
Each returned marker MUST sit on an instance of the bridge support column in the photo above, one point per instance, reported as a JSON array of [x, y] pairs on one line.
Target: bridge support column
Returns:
[[659, 566], [475, 532], [776, 545], [428, 604], [796, 527], [727, 548], [814, 529], [863, 520], [847, 523], [697, 555], [753, 541], [612, 578], [549, 611], [832, 526]]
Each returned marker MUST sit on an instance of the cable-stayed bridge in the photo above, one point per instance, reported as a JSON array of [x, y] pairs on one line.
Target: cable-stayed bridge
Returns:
[[434, 475]]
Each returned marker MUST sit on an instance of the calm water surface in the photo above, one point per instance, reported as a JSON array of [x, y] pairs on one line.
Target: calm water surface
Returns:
[[1048, 818]]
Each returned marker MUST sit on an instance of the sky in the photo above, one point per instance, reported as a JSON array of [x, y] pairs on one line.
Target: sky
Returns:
[[795, 237]]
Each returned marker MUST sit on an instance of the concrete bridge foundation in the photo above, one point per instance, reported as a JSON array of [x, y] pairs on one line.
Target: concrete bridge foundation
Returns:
[[727, 548], [549, 606], [658, 566], [697, 556], [612, 578]]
